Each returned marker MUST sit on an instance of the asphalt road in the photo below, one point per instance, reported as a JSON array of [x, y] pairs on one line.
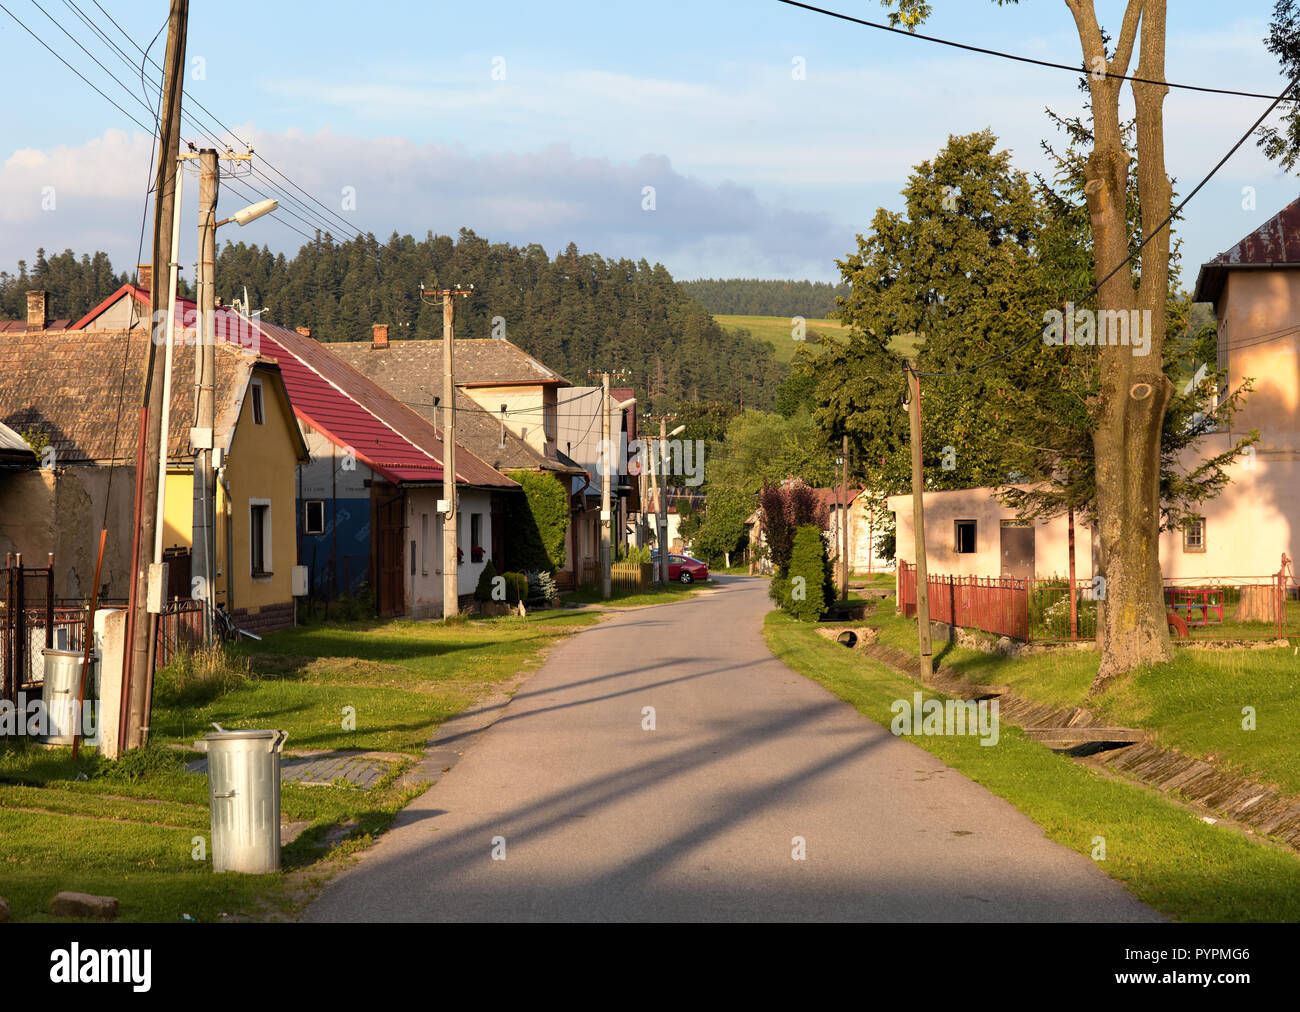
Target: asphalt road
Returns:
[[601, 820]]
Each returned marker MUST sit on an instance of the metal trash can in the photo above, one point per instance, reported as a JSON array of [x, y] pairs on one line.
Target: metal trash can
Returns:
[[244, 795], [59, 694]]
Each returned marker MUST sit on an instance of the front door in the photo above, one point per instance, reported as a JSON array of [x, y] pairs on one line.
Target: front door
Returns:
[[1017, 550], [390, 592]]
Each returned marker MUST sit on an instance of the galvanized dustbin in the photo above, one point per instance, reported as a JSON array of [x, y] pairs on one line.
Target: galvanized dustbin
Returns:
[[244, 792], [59, 695]]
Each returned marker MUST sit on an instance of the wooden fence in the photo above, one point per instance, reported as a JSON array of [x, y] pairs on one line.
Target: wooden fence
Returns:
[[632, 576]]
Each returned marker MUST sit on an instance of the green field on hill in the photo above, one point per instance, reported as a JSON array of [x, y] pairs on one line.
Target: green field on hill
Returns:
[[778, 331]]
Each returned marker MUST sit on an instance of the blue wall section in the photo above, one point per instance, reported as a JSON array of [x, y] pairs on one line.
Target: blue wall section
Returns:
[[337, 561]]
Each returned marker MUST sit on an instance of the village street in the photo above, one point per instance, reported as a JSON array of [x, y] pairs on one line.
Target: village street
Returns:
[[568, 809]]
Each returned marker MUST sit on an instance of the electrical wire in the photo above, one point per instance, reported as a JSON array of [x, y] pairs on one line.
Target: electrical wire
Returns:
[[1080, 70]]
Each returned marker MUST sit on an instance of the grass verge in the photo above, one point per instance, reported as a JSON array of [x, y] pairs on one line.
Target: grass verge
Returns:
[[133, 829]]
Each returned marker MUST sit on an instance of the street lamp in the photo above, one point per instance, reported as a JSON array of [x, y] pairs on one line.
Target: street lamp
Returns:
[[251, 213]]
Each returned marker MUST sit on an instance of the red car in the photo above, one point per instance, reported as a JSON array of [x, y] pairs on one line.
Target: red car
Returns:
[[684, 569]]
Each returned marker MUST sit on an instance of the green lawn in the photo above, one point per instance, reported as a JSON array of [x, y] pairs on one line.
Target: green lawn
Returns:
[[1194, 703], [126, 829], [1164, 853], [778, 331]]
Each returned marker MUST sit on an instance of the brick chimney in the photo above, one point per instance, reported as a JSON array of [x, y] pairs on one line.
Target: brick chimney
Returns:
[[145, 273], [304, 331], [36, 315], [380, 338]]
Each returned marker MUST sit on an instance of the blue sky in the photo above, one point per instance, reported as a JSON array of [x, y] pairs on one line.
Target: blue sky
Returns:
[[756, 173]]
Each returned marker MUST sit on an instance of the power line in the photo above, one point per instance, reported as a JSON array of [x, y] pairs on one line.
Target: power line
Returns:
[[75, 70], [1142, 245], [1081, 70]]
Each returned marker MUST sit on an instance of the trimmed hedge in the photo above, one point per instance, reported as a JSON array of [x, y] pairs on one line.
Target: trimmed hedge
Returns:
[[808, 559], [483, 592], [537, 522]]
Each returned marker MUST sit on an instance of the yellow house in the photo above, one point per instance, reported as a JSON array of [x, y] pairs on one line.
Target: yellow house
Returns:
[[78, 389], [256, 539]]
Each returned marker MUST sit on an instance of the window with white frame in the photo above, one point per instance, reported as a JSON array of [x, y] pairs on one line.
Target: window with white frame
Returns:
[[1194, 534], [313, 516]]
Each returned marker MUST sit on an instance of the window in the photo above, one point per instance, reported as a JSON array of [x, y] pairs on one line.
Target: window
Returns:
[[255, 391], [412, 557], [475, 530], [424, 544], [313, 516], [259, 537], [1194, 534], [964, 536]]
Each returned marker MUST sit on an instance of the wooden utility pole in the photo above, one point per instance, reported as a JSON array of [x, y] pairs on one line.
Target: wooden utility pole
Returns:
[[844, 523], [606, 577], [918, 523], [205, 377], [143, 632], [450, 538]]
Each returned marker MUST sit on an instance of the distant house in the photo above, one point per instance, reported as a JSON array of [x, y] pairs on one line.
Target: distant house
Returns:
[[515, 413], [580, 431], [78, 390], [367, 497]]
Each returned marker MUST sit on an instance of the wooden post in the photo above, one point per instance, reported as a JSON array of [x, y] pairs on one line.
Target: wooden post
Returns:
[[918, 521], [144, 625], [844, 521], [1074, 607]]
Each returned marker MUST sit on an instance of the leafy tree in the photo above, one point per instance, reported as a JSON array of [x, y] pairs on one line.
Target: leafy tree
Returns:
[[783, 509], [720, 529], [1128, 411], [763, 447]]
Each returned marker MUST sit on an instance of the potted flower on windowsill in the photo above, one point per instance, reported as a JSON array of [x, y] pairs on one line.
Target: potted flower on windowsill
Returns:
[[460, 555], [476, 553]]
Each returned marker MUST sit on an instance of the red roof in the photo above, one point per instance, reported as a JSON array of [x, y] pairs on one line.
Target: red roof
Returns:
[[1276, 243], [344, 405]]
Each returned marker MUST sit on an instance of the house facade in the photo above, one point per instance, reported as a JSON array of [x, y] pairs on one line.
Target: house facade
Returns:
[[76, 389], [368, 455]]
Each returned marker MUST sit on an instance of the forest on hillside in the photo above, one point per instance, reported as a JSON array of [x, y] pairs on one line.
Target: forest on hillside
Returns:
[[813, 300], [573, 311]]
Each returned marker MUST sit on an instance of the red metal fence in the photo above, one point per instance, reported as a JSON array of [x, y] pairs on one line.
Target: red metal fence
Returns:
[[995, 604], [1045, 611]]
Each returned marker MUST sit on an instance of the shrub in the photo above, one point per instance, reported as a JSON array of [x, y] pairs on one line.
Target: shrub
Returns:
[[809, 561], [483, 592], [516, 588], [541, 586]]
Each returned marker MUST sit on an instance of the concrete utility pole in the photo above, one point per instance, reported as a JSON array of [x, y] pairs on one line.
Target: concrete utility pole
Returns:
[[606, 577], [918, 523], [450, 527], [661, 538], [205, 380], [844, 523], [138, 673]]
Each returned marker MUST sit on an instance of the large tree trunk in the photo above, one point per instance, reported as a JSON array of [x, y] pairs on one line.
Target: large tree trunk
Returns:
[[1134, 390]]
